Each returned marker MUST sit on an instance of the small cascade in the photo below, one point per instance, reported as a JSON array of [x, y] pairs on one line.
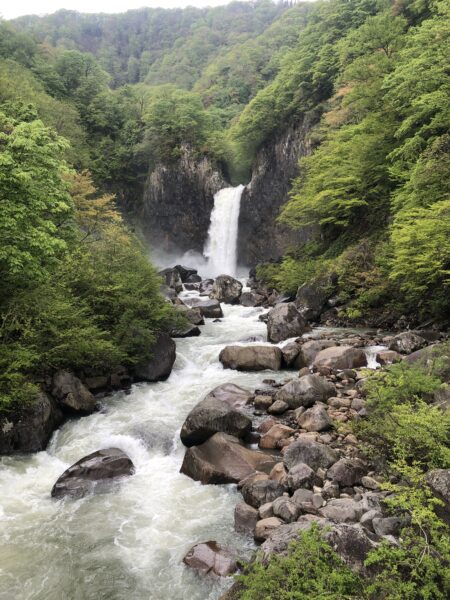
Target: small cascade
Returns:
[[221, 246]]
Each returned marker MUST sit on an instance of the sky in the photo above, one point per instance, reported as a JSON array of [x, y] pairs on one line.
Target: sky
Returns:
[[9, 9]]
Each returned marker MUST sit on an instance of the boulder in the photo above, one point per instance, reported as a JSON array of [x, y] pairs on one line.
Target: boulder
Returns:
[[280, 538], [186, 273], [245, 518], [347, 472], [226, 289], [271, 439], [251, 358], [351, 542], [223, 459], [260, 492], [305, 391], [315, 419], [210, 416], [342, 510], [193, 315], [71, 394], [172, 279], [185, 332], [284, 508], [387, 357], [210, 309], [211, 557], [251, 299], [206, 286], [193, 280], [278, 407], [232, 394], [312, 296], [387, 525], [263, 402], [341, 357], [284, 321], [29, 427], [159, 367], [439, 482], [168, 293], [89, 473], [407, 342], [314, 454], [308, 352], [290, 352], [264, 528], [300, 476]]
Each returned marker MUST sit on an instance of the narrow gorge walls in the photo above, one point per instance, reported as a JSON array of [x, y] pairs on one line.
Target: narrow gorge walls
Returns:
[[177, 202], [261, 238]]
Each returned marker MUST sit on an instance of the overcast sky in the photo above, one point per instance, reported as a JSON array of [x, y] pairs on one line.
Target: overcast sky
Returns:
[[9, 9]]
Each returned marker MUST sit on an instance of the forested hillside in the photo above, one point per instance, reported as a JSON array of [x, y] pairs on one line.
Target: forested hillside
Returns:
[[352, 99], [373, 74]]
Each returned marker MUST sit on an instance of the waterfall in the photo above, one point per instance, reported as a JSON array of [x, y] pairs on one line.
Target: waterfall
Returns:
[[221, 246]]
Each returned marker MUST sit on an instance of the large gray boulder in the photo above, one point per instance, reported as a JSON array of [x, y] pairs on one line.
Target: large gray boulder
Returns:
[[185, 272], [407, 342], [351, 542], [71, 394], [226, 289], [251, 358], [159, 367], [245, 518], [341, 357], [172, 279], [314, 454], [312, 296], [257, 493], [315, 419], [284, 321], [223, 459], [347, 472], [211, 557], [233, 395], [210, 309], [89, 473], [28, 427], [193, 315], [342, 510], [279, 539], [439, 482], [185, 332], [308, 352], [211, 416], [305, 391]]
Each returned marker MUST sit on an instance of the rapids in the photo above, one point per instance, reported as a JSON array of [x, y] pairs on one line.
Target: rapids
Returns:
[[127, 544]]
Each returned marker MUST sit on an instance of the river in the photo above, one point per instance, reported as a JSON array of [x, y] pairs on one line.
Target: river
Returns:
[[129, 543]]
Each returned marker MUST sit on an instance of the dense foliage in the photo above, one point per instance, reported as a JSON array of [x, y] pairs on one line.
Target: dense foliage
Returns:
[[378, 180], [77, 289]]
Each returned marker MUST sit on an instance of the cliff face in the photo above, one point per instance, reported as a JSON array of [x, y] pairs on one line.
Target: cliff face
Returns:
[[177, 203], [261, 238]]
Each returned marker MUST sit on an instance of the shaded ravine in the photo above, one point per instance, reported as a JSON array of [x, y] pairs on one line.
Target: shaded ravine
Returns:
[[130, 542]]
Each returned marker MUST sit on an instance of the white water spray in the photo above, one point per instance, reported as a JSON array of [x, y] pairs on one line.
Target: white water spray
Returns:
[[221, 246]]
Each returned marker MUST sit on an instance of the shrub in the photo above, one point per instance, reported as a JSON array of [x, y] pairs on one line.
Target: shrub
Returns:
[[311, 569]]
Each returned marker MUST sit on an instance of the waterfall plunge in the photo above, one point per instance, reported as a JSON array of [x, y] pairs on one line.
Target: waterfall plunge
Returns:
[[221, 246]]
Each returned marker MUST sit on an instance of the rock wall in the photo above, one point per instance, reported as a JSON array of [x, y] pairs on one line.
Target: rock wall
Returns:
[[261, 238], [177, 202]]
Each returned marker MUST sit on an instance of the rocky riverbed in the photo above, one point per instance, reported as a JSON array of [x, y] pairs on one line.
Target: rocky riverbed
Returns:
[[164, 489]]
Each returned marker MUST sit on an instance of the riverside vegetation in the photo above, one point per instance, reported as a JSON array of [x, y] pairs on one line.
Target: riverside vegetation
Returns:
[[84, 116]]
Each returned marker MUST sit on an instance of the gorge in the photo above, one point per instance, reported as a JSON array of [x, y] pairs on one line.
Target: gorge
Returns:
[[224, 302]]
